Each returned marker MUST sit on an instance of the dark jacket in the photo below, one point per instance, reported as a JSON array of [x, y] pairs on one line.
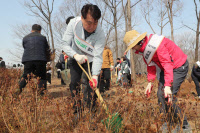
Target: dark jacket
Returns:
[[196, 71], [2, 64], [35, 47], [62, 61], [59, 65]]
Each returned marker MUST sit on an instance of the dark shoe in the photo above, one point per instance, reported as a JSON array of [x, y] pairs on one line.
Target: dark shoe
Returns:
[[187, 128]]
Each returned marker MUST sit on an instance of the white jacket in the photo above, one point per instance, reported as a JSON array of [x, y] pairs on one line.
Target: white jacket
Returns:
[[96, 39]]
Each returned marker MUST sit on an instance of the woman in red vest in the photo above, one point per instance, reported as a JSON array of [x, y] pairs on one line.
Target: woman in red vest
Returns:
[[161, 52]]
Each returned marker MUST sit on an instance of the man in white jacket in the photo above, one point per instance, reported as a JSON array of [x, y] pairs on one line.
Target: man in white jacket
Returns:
[[84, 40]]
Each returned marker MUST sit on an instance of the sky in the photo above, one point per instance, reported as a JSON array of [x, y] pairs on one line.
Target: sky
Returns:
[[12, 12]]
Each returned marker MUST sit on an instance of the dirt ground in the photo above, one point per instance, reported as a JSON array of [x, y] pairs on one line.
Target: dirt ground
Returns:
[[53, 112], [186, 96]]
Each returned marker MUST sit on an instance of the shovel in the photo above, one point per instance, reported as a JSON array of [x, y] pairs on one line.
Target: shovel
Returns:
[[114, 121]]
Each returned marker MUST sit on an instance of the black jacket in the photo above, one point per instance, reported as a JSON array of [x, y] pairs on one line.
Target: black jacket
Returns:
[[2, 64], [196, 72], [35, 47]]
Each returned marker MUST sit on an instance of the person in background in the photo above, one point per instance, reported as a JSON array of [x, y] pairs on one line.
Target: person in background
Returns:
[[2, 63], [125, 71], [68, 19], [107, 67], [160, 51], [84, 40], [48, 74], [34, 58], [62, 61], [196, 76], [59, 67], [117, 64]]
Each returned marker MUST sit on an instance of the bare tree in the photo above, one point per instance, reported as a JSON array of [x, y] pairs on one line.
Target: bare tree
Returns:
[[158, 9], [173, 8], [162, 14], [43, 9], [127, 15], [146, 9], [197, 11], [113, 6]]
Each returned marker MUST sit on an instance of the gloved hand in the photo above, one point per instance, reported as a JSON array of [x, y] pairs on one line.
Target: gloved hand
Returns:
[[111, 68], [168, 93], [95, 80], [80, 58], [148, 89]]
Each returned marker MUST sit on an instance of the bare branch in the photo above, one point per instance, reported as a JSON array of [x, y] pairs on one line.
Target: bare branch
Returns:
[[196, 9], [189, 27], [136, 3]]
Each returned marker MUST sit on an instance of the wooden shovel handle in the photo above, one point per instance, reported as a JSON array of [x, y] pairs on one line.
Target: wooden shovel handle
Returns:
[[95, 89]]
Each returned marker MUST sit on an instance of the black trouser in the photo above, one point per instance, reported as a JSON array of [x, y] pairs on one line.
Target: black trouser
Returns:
[[38, 68], [58, 74], [104, 80], [125, 77], [179, 75], [76, 74], [48, 77], [196, 81], [62, 81]]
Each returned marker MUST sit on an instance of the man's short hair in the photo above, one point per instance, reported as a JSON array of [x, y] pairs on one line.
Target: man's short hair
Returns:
[[118, 58], [68, 19], [94, 11], [36, 27]]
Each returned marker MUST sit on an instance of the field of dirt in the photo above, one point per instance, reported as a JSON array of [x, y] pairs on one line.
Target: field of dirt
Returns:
[[53, 112], [186, 96]]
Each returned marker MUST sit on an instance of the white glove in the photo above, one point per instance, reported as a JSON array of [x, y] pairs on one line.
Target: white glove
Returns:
[[148, 89], [80, 58], [111, 68], [168, 93]]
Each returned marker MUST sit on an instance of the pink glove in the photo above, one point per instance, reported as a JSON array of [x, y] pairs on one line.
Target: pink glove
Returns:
[[94, 78]]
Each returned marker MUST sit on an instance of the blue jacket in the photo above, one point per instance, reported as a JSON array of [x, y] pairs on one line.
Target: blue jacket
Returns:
[[35, 47]]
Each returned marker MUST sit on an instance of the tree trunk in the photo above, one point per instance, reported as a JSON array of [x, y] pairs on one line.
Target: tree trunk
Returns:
[[116, 40], [197, 39], [115, 25], [133, 77], [170, 15], [52, 41]]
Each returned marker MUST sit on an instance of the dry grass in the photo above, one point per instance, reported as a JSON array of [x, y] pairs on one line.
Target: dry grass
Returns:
[[53, 112]]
